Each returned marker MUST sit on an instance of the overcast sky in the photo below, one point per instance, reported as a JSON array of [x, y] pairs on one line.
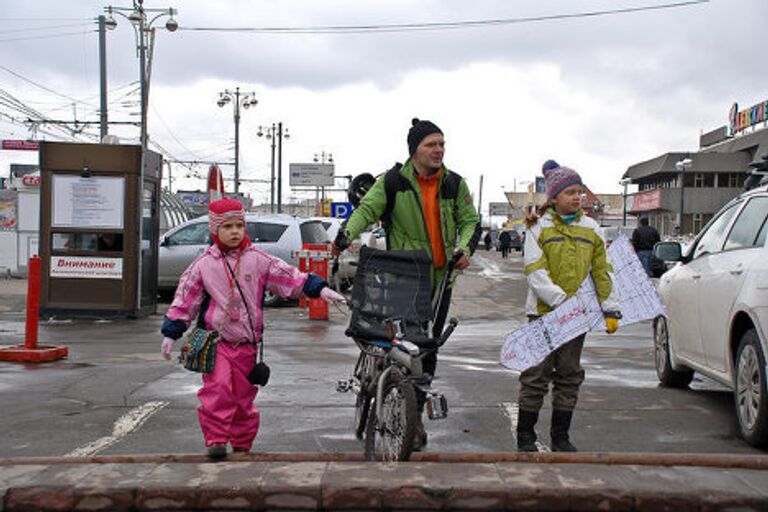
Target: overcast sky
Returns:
[[597, 93]]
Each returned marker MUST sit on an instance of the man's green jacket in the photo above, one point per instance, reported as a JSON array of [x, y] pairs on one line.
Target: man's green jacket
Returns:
[[408, 231]]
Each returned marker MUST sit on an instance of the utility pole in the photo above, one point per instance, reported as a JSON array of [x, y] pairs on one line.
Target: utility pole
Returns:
[[480, 202], [272, 174], [103, 77], [280, 167]]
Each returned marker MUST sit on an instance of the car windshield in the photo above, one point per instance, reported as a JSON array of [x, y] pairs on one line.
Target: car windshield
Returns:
[[261, 232], [313, 232]]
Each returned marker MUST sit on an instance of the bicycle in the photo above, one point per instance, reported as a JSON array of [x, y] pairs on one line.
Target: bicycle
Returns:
[[392, 315]]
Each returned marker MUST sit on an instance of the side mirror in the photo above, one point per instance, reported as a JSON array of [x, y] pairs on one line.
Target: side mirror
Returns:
[[668, 251], [164, 242]]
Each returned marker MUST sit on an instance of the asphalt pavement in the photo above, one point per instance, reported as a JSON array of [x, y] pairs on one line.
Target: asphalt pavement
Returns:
[[115, 396]]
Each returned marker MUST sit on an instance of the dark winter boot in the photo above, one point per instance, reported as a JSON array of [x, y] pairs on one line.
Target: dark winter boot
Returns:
[[561, 423], [526, 435], [217, 451]]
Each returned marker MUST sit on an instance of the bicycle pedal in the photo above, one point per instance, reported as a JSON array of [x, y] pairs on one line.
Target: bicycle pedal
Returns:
[[342, 386], [437, 406]]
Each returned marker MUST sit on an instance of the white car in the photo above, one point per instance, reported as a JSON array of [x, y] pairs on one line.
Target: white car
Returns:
[[717, 297], [278, 234]]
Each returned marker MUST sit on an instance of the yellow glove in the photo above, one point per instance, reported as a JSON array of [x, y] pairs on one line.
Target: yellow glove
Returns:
[[611, 324]]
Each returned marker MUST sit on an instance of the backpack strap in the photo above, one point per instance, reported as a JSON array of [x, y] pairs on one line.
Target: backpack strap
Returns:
[[450, 190], [450, 187], [394, 182]]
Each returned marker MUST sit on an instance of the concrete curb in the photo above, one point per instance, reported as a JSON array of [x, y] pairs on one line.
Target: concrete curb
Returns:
[[325, 482]]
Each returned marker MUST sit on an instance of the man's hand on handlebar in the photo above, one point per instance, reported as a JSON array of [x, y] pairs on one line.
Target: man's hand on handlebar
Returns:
[[463, 261], [340, 243]]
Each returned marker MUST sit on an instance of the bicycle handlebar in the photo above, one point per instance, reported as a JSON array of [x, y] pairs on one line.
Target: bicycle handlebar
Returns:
[[452, 323]]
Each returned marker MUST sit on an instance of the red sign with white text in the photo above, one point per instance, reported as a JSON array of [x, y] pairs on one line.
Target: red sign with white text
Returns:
[[20, 145], [646, 201]]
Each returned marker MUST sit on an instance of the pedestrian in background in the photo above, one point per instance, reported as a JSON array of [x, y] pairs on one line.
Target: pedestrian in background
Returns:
[[644, 237], [562, 247], [505, 242], [487, 240], [225, 285]]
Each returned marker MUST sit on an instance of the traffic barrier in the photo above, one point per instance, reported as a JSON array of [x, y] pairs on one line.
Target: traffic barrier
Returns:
[[31, 352], [315, 258]]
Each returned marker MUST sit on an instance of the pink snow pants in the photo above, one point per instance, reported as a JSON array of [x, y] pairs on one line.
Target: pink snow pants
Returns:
[[227, 412]]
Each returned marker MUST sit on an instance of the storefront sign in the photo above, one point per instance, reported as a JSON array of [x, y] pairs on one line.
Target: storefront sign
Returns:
[[646, 201], [83, 267], [20, 145], [741, 120], [31, 180]]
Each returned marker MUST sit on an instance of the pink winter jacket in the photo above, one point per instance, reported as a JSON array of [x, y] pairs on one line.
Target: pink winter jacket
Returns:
[[208, 273]]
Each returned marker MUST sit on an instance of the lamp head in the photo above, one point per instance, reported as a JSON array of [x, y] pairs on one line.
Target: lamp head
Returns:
[[286, 135], [136, 17], [171, 25], [110, 23]]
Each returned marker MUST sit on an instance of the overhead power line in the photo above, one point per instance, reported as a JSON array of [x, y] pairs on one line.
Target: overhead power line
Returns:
[[45, 27], [52, 36], [47, 89], [442, 25]]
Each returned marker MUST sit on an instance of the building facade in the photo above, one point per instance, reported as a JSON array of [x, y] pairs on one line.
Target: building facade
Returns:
[[680, 191]]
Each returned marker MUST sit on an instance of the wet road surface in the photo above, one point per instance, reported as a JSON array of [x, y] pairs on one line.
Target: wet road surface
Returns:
[[116, 395]]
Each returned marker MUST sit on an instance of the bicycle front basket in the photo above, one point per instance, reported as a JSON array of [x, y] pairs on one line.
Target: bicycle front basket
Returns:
[[391, 284]]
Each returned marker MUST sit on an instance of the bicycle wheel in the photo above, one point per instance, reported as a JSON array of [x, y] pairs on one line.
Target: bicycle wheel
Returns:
[[367, 370], [362, 406], [394, 441]]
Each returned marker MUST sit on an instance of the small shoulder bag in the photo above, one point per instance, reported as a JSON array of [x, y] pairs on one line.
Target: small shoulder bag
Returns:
[[259, 374]]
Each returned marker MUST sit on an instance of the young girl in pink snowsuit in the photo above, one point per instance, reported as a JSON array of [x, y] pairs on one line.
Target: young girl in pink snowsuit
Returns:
[[227, 412]]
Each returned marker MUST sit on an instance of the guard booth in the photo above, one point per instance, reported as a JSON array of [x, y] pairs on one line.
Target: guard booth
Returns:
[[99, 230]]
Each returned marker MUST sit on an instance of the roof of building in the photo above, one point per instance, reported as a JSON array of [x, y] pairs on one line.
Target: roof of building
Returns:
[[701, 162]]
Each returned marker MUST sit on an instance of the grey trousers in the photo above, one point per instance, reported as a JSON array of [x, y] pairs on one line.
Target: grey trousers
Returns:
[[563, 369]]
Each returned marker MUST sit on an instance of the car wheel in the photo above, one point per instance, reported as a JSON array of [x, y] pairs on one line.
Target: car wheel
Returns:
[[667, 375], [750, 395]]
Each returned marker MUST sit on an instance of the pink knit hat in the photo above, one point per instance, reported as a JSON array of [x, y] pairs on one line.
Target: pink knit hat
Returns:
[[221, 211]]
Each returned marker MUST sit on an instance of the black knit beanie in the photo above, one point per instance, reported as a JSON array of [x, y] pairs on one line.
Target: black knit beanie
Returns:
[[418, 131]]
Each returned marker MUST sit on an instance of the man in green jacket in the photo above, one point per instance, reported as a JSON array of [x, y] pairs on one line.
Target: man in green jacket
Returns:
[[432, 210]]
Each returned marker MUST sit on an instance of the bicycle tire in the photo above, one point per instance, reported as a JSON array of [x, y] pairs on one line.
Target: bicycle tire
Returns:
[[362, 407], [395, 441], [366, 372]]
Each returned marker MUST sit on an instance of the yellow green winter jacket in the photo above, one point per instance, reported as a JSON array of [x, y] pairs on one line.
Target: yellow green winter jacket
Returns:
[[458, 218], [559, 256]]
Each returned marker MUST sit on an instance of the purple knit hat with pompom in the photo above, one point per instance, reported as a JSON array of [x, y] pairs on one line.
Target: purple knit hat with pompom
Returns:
[[557, 178]]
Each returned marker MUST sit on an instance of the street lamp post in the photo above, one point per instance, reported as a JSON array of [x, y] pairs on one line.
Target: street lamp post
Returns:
[[145, 39], [276, 133], [245, 100], [625, 182], [682, 166]]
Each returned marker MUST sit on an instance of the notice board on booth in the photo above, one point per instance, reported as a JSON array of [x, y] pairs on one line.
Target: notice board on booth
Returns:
[[92, 202]]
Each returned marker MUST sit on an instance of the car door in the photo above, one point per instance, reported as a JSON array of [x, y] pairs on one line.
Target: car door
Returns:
[[722, 279], [683, 300], [179, 249]]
